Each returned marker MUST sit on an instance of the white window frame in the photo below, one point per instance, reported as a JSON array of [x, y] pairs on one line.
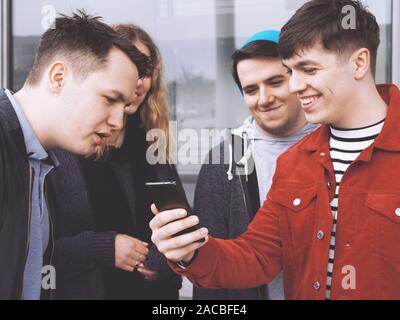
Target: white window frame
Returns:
[[5, 43], [396, 42]]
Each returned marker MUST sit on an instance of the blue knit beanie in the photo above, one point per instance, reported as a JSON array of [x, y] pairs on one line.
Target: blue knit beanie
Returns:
[[267, 35]]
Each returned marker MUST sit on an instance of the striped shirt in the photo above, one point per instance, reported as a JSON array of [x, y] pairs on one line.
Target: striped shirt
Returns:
[[345, 147]]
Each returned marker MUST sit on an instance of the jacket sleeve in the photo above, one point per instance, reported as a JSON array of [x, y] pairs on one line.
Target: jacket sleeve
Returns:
[[2, 181], [254, 259], [13, 178], [82, 253], [158, 263]]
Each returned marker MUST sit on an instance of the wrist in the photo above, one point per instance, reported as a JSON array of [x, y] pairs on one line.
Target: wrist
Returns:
[[183, 264]]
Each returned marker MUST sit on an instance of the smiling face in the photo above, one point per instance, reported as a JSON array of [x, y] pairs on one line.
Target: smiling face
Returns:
[[324, 82], [276, 111], [90, 110]]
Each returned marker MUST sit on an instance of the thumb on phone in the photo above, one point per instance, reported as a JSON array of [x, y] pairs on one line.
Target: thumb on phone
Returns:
[[154, 209]]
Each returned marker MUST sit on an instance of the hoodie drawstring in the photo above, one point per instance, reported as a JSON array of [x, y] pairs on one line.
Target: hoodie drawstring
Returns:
[[229, 173], [246, 164]]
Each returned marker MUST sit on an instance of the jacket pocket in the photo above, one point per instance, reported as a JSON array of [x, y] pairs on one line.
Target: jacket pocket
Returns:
[[299, 202], [383, 227], [386, 205]]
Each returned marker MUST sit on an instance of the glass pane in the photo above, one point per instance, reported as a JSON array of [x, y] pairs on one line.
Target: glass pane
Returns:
[[196, 39], [383, 11]]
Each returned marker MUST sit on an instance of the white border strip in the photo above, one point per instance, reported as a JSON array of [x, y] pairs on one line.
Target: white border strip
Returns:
[[4, 43], [396, 42]]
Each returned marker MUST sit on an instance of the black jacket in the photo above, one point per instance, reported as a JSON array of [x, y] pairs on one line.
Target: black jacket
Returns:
[[85, 248], [15, 190]]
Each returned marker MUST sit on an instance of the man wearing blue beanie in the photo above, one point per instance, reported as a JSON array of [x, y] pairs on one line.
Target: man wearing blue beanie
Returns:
[[227, 198]]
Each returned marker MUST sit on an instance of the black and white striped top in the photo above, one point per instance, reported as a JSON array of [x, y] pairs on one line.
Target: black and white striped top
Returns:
[[345, 147]]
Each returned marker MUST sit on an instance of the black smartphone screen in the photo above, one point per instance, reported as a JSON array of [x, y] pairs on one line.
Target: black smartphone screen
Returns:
[[169, 196]]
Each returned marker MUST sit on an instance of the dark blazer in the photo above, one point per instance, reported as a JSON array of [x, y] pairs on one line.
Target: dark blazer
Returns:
[[15, 180]]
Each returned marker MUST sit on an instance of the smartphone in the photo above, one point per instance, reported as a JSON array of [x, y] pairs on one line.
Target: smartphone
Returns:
[[169, 196]]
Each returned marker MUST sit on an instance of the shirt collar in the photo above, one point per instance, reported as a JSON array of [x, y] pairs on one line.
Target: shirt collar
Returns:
[[387, 139], [34, 148]]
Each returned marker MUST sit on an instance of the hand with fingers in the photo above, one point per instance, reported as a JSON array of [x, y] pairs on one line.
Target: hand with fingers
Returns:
[[167, 224], [130, 253]]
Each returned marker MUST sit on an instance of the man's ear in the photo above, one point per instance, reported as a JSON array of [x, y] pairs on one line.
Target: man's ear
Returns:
[[57, 77], [361, 61]]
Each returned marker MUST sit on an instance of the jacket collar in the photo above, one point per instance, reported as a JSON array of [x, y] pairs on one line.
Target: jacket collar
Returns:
[[10, 121], [388, 138]]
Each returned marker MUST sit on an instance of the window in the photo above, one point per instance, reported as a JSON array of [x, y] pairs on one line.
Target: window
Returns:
[[196, 39]]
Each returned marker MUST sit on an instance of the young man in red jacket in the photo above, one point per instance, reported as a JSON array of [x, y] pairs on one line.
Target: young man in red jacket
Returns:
[[331, 220]]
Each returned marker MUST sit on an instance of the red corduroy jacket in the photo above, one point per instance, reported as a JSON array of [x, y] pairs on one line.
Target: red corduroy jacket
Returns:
[[292, 230]]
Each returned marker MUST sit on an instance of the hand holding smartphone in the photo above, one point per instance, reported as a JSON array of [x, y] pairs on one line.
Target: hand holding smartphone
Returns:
[[168, 196]]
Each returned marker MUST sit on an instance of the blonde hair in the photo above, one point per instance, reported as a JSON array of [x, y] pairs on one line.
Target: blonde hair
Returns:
[[153, 112]]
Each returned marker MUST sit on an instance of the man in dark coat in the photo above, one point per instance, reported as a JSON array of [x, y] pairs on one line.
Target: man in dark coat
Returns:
[[79, 67]]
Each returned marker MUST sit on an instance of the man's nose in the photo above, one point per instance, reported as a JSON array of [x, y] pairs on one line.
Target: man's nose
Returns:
[[296, 84], [116, 119], [266, 97]]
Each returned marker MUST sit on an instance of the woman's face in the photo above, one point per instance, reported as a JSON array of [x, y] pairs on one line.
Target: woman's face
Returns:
[[143, 85]]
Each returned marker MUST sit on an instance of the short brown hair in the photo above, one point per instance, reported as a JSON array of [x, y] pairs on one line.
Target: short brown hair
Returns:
[[322, 21], [255, 50], [86, 42]]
